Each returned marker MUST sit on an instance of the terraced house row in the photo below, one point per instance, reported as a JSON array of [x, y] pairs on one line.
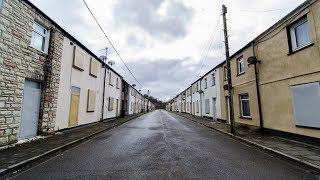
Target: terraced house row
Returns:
[[49, 81], [275, 80]]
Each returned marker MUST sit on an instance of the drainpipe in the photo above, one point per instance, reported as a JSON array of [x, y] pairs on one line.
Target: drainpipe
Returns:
[[258, 89], [104, 88]]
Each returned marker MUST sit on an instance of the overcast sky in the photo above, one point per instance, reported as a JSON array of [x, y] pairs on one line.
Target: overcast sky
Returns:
[[165, 42]]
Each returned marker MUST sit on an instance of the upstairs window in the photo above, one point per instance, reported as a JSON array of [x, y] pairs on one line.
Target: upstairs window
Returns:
[[110, 79], [240, 65], [1, 4], [213, 80], [40, 37], [117, 83], [205, 83], [299, 34]]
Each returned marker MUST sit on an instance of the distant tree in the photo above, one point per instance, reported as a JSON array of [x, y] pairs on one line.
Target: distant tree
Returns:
[[158, 104]]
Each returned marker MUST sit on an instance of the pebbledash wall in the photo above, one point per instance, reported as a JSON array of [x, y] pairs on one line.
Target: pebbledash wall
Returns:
[[19, 61]]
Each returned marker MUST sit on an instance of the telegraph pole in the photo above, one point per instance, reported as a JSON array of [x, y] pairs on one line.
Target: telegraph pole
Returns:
[[229, 86]]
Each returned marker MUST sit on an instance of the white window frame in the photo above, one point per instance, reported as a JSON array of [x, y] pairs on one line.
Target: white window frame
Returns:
[[240, 62], [45, 35], [241, 105], [293, 37]]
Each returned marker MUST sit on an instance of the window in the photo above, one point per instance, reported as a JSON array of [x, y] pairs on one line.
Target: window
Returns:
[[40, 38], [240, 65], [93, 67], [213, 80], [1, 4], [197, 106], [78, 58], [205, 83], [110, 78], [197, 87], [299, 34], [225, 72], [207, 106], [306, 103], [244, 105], [91, 101], [117, 83], [110, 104]]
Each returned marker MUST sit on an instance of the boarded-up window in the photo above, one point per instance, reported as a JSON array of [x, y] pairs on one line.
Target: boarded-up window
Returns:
[[197, 106], [110, 78], [78, 58], [110, 104], [306, 103], [117, 83], [93, 67], [91, 104], [207, 106]]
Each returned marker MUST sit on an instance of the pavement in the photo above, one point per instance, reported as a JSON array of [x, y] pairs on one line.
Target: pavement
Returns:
[[15, 157], [303, 153], [162, 145]]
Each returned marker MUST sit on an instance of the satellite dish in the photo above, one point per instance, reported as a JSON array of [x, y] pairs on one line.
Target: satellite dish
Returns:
[[103, 57], [133, 85], [111, 63]]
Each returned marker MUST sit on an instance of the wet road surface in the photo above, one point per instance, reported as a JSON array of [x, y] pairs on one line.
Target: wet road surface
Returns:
[[161, 145]]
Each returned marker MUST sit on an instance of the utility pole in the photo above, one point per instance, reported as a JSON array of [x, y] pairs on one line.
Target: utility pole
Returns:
[[230, 99]]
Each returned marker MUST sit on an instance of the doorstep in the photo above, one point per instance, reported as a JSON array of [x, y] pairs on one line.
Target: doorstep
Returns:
[[305, 154], [20, 155]]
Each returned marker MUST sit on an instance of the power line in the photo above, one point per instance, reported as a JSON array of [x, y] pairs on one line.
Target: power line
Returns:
[[110, 42], [262, 11], [211, 42]]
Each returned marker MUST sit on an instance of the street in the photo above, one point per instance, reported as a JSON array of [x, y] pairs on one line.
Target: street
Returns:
[[162, 145]]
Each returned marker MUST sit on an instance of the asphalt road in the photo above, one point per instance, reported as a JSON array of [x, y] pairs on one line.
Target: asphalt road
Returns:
[[161, 145]]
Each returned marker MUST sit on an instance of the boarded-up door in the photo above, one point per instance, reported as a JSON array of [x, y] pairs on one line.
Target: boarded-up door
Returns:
[[74, 106], [30, 109]]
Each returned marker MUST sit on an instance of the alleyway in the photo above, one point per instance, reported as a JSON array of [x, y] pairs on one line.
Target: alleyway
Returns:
[[164, 145]]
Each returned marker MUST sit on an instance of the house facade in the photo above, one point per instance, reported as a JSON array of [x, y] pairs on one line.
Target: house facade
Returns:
[[113, 94], [81, 87], [30, 49], [49, 81], [211, 95], [275, 79]]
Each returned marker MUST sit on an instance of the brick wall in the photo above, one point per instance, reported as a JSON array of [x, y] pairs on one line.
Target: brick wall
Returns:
[[19, 61]]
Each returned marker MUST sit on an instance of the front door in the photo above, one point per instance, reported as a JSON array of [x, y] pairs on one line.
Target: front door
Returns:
[[214, 115], [30, 109], [74, 106]]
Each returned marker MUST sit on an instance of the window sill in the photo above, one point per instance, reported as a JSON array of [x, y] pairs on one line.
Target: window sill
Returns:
[[248, 118], [239, 74], [93, 75], [300, 49], [76, 67], [111, 84], [90, 111], [38, 51]]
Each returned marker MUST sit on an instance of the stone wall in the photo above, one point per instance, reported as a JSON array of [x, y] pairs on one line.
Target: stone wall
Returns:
[[19, 61]]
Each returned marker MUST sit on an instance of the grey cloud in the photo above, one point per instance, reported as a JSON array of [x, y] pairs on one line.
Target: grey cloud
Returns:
[[143, 14]]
